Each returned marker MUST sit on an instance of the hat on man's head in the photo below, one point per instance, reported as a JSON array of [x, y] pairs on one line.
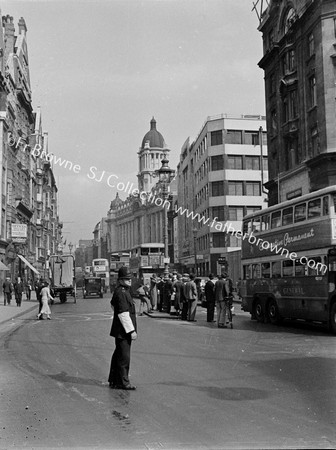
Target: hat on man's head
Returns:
[[124, 273]]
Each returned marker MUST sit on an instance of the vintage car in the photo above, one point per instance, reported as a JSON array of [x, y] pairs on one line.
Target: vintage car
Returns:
[[93, 286]]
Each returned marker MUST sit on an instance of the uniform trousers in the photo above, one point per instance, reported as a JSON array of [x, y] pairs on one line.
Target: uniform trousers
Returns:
[[210, 311], [192, 305], [120, 362]]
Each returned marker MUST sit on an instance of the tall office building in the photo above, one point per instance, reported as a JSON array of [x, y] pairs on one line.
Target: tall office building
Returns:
[[220, 179]]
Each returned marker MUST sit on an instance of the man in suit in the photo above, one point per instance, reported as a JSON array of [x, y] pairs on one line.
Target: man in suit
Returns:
[[223, 290], [209, 290], [124, 331], [190, 292]]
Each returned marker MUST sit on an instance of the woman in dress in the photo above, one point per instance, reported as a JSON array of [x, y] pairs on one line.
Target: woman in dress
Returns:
[[45, 294]]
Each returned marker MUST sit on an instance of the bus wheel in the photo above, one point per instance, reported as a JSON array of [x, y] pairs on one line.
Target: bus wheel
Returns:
[[333, 318], [258, 311], [273, 312]]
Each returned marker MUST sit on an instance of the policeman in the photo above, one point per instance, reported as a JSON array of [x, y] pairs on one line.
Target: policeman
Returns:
[[124, 331]]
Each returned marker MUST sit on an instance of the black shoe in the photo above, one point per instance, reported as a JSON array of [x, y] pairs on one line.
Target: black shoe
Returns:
[[129, 387]]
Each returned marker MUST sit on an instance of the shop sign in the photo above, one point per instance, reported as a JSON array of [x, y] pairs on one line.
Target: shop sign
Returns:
[[19, 230]]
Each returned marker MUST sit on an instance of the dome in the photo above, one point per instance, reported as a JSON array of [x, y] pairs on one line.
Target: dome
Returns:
[[153, 137]]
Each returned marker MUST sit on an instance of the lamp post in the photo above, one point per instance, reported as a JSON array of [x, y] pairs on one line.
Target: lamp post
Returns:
[[195, 252], [165, 174], [70, 245]]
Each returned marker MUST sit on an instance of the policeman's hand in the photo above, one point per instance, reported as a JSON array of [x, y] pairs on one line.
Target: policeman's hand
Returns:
[[134, 335]]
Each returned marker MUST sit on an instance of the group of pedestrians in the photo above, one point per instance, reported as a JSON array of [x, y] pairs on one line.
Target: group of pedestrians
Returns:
[[17, 288], [219, 293]]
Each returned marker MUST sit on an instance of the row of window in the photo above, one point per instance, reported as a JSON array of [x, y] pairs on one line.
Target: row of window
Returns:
[[237, 137], [287, 216], [225, 240], [283, 269]]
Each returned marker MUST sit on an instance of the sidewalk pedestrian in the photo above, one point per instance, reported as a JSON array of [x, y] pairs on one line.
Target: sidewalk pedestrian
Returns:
[[18, 291], [223, 291], [124, 332], [7, 290], [45, 297], [209, 291], [144, 299], [153, 292], [178, 287], [29, 287], [190, 292]]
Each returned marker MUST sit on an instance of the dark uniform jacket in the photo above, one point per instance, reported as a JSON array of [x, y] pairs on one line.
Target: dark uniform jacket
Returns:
[[209, 290], [122, 302]]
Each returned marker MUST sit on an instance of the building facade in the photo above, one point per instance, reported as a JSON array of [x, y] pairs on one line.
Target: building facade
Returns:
[[299, 61], [30, 229], [220, 179]]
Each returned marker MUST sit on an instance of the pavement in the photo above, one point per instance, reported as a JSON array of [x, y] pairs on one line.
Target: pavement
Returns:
[[8, 312]]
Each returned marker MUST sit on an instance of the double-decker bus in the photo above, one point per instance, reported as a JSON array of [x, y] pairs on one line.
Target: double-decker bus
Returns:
[[100, 268], [289, 260], [146, 260], [117, 260]]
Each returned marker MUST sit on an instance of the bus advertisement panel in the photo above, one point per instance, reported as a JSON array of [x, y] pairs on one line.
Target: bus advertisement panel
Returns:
[[288, 260]]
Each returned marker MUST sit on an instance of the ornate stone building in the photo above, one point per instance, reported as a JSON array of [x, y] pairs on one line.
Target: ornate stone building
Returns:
[[299, 45]]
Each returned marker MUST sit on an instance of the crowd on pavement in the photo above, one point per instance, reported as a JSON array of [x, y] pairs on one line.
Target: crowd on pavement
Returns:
[[184, 292]]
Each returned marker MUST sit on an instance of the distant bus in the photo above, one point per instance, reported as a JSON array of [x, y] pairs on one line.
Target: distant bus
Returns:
[[100, 268], [146, 260], [289, 261], [117, 260]]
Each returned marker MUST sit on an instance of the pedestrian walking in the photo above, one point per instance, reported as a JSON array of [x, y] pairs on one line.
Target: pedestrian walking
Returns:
[[7, 288], [38, 288], [190, 292], [124, 332], [184, 301], [29, 287], [18, 291], [45, 297], [143, 292], [209, 291], [178, 287]]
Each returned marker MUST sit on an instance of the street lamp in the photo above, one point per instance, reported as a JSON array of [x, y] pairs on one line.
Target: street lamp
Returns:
[[70, 245], [166, 175], [195, 230]]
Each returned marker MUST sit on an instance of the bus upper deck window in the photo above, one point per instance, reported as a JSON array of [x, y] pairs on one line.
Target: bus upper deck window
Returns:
[[245, 227], [247, 271], [300, 212], [287, 268], [256, 225], [265, 270], [265, 222], [287, 216], [325, 205], [299, 268], [276, 269], [255, 271], [276, 219], [314, 208]]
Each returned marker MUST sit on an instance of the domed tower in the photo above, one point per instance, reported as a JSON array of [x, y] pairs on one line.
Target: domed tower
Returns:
[[150, 154]]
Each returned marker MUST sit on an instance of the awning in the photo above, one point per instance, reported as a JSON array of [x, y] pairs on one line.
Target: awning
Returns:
[[28, 264], [3, 266]]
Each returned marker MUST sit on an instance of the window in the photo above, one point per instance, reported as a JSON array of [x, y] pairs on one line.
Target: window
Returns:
[[287, 216], [256, 225], [234, 241], [265, 163], [276, 269], [235, 188], [318, 269], [276, 219], [235, 162], [289, 20], [251, 137], [217, 162], [217, 188], [325, 206], [236, 212], [218, 239], [274, 123], [312, 91], [247, 271], [252, 163], [315, 142], [314, 208], [265, 270], [253, 188], [293, 110], [233, 137], [256, 271], [299, 269], [300, 213], [311, 45], [265, 222], [287, 268], [216, 137], [272, 84], [218, 211]]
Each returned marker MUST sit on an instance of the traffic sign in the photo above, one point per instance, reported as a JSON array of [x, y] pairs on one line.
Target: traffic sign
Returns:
[[222, 261]]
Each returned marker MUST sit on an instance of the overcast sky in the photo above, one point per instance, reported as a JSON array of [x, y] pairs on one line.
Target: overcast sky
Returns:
[[100, 70]]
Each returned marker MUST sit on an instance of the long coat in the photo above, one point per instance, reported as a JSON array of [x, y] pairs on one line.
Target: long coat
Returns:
[[122, 302]]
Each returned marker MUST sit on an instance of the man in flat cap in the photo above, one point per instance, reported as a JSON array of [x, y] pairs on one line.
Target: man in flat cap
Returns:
[[124, 331]]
